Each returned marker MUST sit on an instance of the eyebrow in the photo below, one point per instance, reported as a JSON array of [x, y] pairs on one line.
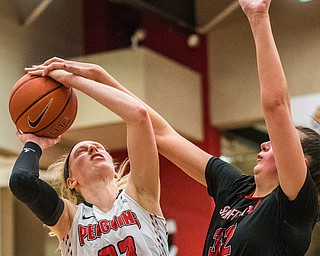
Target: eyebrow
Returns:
[[98, 145]]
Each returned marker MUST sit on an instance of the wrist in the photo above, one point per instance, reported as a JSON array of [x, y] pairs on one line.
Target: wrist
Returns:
[[34, 147], [100, 74], [257, 18]]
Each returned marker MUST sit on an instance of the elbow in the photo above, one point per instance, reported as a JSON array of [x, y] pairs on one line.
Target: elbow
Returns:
[[15, 181], [21, 183], [276, 104], [141, 114]]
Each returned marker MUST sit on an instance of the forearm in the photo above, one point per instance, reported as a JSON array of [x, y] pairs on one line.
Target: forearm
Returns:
[[160, 125], [25, 184], [171, 144], [98, 74], [273, 84], [122, 104]]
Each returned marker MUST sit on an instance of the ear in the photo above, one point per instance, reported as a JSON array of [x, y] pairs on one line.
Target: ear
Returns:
[[307, 160], [71, 183]]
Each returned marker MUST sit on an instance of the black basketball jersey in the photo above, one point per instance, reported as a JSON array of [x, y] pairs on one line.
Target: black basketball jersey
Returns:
[[266, 226]]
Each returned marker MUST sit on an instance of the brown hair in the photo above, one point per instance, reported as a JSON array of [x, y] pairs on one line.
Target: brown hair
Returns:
[[310, 141]]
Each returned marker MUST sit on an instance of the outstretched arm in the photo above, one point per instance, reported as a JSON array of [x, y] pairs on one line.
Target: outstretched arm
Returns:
[[290, 161], [143, 183], [190, 158]]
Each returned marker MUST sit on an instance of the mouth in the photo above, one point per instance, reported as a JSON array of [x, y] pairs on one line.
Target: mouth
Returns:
[[259, 159], [96, 155]]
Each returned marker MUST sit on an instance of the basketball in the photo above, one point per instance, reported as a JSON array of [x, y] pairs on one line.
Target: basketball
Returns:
[[42, 106]]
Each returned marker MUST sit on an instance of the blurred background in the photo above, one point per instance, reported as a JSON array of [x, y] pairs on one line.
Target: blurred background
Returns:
[[191, 60]]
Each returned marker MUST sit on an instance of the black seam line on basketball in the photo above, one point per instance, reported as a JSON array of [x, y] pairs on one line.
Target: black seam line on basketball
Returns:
[[37, 101], [35, 123], [21, 86], [66, 104]]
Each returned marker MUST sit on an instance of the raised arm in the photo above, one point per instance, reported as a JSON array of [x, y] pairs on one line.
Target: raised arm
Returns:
[[143, 183], [39, 196], [190, 158], [290, 161]]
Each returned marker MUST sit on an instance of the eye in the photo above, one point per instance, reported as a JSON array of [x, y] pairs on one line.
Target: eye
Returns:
[[81, 150], [265, 146], [101, 148]]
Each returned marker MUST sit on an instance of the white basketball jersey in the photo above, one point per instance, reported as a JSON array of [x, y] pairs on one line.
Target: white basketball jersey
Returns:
[[126, 230]]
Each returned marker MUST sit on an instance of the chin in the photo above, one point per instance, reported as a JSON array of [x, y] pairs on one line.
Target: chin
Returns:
[[255, 169]]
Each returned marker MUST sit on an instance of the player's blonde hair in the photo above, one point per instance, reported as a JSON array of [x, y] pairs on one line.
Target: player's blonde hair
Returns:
[[58, 181]]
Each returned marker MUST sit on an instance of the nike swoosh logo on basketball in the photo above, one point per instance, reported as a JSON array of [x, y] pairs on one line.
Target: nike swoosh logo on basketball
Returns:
[[84, 217], [35, 123]]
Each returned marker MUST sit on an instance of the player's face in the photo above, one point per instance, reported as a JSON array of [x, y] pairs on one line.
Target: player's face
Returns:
[[89, 158], [266, 165]]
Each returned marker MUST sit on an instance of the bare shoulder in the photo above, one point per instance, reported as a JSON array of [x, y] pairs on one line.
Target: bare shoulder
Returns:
[[62, 227]]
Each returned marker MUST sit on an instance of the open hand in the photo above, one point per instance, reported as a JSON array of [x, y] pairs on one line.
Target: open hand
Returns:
[[86, 70], [59, 75]]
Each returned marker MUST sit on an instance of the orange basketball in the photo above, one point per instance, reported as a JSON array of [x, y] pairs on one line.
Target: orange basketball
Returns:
[[42, 106]]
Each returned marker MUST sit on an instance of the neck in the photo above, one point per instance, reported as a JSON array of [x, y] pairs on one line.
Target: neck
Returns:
[[101, 195], [261, 193], [264, 188]]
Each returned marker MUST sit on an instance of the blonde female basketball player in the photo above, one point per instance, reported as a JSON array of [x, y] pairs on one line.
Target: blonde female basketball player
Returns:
[[104, 220]]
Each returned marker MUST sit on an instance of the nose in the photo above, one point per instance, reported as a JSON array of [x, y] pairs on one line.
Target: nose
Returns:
[[92, 149]]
